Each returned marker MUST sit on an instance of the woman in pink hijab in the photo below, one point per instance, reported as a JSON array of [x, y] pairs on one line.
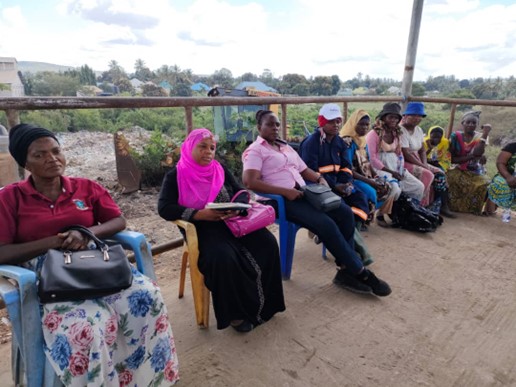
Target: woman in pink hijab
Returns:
[[243, 274]]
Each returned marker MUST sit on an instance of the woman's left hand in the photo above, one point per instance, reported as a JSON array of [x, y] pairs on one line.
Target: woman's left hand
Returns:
[[486, 128]]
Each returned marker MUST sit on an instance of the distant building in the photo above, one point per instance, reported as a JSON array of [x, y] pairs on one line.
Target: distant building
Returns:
[[394, 90], [9, 77], [199, 86], [257, 85], [89, 91], [137, 84], [166, 85], [346, 92]]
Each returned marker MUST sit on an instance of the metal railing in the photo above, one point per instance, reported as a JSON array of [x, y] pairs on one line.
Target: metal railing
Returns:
[[13, 105]]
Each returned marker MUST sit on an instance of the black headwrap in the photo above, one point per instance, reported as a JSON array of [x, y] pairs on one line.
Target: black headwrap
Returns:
[[20, 138]]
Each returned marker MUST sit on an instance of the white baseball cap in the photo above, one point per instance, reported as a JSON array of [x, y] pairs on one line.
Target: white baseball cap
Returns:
[[330, 111]]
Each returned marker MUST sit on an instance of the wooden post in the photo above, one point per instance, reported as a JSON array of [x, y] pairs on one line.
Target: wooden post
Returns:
[[189, 119], [449, 130], [410, 60], [13, 118], [344, 112], [284, 131]]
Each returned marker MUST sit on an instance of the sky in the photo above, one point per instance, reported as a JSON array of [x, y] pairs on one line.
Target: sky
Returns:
[[464, 38]]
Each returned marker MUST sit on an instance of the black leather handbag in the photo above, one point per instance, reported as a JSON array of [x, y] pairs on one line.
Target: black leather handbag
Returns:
[[84, 274], [321, 197]]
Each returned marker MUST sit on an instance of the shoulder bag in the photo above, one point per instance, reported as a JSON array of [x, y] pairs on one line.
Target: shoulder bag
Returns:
[[257, 217], [321, 197], [84, 274]]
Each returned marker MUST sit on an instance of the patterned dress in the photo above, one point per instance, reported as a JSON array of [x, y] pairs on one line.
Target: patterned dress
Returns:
[[123, 339], [499, 191], [467, 186]]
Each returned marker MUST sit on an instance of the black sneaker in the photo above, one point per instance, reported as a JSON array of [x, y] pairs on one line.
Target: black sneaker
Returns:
[[379, 287], [351, 283]]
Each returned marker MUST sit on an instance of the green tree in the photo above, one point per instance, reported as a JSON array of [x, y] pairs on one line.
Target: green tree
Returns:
[[418, 90], [322, 85], [87, 76], [223, 78], [151, 90], [142, 72], [125, 86], [463, 94], [335, 84], [294, 84], [248, 77], [49, 83]]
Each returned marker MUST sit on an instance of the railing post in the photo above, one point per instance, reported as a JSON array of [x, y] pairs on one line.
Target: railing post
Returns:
[[344, 112], [452, 118], [284, 131], [13, 117], [189, 119]]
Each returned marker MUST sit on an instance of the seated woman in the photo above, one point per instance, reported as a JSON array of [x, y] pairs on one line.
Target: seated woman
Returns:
[[325, 151], [384, 147], [272, 166], [412, 145], [121, 339], [467, 181], [243, 274], [502, 190], [437, 150], [375, 188]]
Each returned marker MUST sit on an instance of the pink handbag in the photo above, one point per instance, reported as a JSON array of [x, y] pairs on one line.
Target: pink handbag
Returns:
[[258, 216]]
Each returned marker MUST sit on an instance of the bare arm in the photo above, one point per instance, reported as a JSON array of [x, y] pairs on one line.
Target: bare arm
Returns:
[[16, 253], [252, 181], [314, 177], [501, 164]]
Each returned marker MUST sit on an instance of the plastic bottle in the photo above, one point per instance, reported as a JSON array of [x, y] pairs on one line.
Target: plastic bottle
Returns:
[[506, 215], [401, 167]]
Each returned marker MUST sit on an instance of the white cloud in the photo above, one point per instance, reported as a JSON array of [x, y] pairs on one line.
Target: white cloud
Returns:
[[324, 37]]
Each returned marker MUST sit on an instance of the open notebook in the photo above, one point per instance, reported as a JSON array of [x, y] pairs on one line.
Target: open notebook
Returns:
[[228, 206]]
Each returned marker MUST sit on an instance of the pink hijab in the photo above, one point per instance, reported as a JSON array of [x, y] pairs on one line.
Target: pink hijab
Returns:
[[197, 184]]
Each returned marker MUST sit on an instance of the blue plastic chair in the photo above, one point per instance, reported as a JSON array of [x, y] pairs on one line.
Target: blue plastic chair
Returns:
[[28, 363], [287, 235]]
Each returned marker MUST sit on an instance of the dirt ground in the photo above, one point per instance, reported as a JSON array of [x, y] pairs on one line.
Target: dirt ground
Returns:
[[450, 320]]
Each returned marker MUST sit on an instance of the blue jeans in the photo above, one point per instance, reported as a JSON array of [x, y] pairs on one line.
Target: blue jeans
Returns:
[[334, 228]]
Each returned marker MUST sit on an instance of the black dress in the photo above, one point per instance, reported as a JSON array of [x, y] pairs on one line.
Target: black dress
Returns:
[[243, 274]]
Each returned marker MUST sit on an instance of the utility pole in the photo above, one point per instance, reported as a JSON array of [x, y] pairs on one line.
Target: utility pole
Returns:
[[410, 60]]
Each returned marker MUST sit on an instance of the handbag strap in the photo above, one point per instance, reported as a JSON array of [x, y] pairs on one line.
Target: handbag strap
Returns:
[[85, 231], [242, 191]]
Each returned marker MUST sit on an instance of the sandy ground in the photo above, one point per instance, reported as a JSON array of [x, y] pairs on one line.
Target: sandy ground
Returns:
[[450, 320]]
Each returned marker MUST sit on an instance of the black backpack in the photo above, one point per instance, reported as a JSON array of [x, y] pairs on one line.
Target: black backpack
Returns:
[[408, 214]]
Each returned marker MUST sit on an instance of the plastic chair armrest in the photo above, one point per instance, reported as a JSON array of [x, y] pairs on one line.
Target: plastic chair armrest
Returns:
[[136, 242]]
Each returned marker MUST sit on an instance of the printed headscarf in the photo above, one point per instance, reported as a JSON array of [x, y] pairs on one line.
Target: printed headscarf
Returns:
[[20, 138], [198, 184], [470, 114], [349, 128]]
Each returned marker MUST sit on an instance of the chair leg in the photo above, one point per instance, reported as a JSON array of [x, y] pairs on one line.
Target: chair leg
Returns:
[[205, 322], [184, 263]]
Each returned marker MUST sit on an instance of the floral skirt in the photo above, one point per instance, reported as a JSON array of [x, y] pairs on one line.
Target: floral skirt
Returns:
[[467, 191], [123, 339], [500, 193]]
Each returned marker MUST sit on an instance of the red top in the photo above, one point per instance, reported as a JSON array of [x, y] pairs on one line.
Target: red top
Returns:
[[26, 215]]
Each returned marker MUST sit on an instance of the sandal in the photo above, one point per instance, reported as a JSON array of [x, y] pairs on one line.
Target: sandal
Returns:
[[380, 220]]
